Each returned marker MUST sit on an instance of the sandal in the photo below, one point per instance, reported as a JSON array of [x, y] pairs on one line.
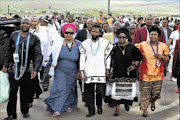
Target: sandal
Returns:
[[69, 110], [56, 114]]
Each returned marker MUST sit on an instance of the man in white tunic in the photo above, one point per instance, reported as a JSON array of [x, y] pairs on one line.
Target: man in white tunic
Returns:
[[94, 66], [48, 36]]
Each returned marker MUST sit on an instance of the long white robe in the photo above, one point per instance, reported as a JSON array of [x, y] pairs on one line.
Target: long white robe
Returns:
[[48, 36], [94, 66]]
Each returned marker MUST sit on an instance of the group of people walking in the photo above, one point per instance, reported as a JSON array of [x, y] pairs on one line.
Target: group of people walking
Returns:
[[108, 64]]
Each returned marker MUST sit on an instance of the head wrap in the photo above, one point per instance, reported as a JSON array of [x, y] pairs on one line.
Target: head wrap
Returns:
[[68, 25], [154, 28], [34, 17], [123, 30], [45, 19]]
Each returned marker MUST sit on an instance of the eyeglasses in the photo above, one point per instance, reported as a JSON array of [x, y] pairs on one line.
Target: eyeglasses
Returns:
[[68, 32], [122, 37]]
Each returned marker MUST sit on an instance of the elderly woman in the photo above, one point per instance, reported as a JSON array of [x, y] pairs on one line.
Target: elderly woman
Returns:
[[176, 64], [151, 74], [64, 66], [125, 57]]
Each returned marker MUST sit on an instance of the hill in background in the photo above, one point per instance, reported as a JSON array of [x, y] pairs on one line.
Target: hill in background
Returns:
[[92, 7]]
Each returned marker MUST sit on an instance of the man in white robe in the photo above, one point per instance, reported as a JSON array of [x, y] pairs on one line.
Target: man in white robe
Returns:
[[94, 66], [47, 35]]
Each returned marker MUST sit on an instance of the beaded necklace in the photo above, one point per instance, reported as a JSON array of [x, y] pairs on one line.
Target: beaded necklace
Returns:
[[94, 54]]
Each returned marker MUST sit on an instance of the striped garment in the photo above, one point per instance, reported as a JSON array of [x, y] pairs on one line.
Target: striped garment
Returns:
[[150, 91]]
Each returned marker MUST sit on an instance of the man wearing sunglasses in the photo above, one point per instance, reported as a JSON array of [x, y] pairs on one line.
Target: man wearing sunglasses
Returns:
[[94, 66]]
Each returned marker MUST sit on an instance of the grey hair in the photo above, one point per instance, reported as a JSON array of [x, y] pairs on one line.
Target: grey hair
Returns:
[[148, 15], [92, 20], [132, 25], [26, 18], [117, 22], [76, 22]]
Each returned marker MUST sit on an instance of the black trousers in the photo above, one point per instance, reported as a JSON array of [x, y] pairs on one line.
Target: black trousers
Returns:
[[36, 88], [44, 75], [25, 84], [100, 92]]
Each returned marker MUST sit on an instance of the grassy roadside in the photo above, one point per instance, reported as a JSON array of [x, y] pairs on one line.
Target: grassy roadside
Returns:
[[90, 7]]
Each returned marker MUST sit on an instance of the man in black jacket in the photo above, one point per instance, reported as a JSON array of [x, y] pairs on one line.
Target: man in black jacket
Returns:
[[21, 42]]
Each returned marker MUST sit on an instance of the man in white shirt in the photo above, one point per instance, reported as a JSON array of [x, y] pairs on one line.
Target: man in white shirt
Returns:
[[94, 66], [47, 35], [56, 24]]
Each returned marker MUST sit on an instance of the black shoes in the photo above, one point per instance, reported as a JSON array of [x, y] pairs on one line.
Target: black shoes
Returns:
[[10, 118], [153, 108], [99, 110], [90, 115], [116, 114], [26, 115], [45, 89], [145, 115], [126, 107]]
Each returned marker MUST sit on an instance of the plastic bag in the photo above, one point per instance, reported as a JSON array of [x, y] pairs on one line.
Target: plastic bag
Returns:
[[4, 87]]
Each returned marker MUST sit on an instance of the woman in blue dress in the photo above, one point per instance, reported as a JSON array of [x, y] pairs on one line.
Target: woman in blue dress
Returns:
[[63, 94]]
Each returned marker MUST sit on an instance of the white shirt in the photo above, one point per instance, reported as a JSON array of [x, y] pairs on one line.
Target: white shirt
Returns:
[[47, 36], [174, 36], [94, 64]]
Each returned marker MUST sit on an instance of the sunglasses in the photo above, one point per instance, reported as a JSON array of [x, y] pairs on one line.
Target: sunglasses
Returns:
[[132, 28], [68, 32], [122, 37]]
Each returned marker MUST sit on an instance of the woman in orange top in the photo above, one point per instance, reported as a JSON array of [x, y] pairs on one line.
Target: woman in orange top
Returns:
[[151, 74]]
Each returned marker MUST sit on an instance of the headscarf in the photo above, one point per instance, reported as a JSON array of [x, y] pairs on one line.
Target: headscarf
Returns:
[[45, 19], [68, 25], [34, 17], [123, 30]]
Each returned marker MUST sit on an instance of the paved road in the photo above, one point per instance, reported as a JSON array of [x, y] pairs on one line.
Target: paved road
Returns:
[[167, 108]]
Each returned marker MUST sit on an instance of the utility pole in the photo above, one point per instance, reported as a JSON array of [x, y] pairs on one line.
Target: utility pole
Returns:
[[108, 7], [8, 9]]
